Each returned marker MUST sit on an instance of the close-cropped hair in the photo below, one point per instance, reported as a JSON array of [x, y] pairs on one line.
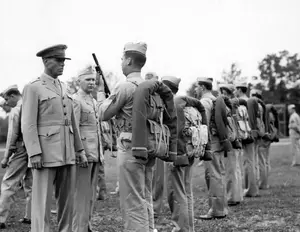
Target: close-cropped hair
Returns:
[[138, 59]]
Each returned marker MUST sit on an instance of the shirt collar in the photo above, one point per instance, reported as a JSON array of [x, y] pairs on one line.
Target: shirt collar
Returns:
[[134, 75], [49, 78]]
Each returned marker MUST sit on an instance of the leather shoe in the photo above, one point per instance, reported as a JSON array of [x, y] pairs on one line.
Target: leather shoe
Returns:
[[210, 217], [25, 221], [2, 226]]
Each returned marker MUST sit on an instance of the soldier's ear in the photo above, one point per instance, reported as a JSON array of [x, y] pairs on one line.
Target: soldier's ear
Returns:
[[129, 61]]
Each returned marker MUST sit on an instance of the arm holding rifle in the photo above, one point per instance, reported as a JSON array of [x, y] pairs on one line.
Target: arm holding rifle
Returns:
[[102, 93]]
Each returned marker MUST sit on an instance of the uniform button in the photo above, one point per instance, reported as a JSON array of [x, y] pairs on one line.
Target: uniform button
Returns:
[[63, 98], [65, 113], [64, 105], [96, 116]]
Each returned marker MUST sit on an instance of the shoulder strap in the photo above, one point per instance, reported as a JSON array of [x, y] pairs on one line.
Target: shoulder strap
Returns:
[[133, 82]]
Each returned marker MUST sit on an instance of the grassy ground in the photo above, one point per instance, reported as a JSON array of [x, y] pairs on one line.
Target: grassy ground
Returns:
[[278, 209]]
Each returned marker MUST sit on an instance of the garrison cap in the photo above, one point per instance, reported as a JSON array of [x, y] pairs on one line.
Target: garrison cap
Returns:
[[172, 79], [291, 106], [55, 51], [151, 75], [229, 87], [255, 91], [207, 80], [241, 84], [140, 48], [87, 72], [12, 87]]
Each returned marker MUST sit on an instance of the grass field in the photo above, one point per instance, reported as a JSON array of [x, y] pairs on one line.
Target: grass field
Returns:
[[278, 209]]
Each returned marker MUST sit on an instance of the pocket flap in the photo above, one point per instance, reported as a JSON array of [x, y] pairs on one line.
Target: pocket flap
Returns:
[[46, 97], [48, 131]]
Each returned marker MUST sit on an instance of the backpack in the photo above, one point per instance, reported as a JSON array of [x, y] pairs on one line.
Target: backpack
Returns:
[[195, 133], [231, 126], [158, 132], [260, 120], [243, 127]]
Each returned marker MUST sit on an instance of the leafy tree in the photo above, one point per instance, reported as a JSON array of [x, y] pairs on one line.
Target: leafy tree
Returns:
[[232, 75]]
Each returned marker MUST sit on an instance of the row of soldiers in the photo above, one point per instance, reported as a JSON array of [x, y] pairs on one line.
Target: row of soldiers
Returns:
[[63, 141], [238, 166]]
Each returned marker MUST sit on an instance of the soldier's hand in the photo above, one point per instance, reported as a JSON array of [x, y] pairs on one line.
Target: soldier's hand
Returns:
[[4, 162], [36, 161], [81, 159]]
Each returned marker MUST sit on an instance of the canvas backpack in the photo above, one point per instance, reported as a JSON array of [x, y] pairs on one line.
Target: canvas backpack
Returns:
[[231, 126], [195, 133], [260, 121], [158, 132], [244, 130]]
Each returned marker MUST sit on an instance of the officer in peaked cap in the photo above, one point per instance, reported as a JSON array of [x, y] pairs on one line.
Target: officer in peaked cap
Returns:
[[133, 192], [52, 139], [15, 159]]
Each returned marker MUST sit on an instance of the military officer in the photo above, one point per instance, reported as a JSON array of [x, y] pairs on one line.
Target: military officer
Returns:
[[53, 142], [294, 133], [15, 160], [135, 178], [86, 113]]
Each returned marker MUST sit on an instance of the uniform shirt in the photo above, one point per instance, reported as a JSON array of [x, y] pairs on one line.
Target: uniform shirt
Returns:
[[86, 113], [48, 122], [120, 102], [294, 125], [14, 142]]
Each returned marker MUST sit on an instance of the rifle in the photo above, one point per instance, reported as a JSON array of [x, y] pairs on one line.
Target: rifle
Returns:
[[99, 71]]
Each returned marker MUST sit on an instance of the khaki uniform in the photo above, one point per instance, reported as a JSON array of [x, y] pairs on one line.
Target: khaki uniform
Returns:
[[49, 128], [215, 169], [294, 132], [17, 170], [234, 166], [158, 184], [86, 113], [250, 177], [135, 176]]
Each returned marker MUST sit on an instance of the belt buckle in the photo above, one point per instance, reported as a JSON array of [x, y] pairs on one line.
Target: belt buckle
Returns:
[[67, 122]]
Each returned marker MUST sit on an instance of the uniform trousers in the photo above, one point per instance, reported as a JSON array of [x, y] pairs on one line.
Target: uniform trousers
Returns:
[[250, 169], [16, 172], [101, 181], [158, 185], [177, 197], [42, 192], [264, 163], [135, 183], [188, 175], [216, 176], [295, 145], [85, 196], [234, 186]]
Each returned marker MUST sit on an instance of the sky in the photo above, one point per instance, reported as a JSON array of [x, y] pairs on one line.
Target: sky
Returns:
[[187, 39]]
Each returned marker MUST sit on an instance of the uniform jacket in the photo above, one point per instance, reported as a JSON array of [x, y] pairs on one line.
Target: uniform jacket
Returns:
[[14, 143], [180, 103], [48, 122], [141, 112], [87, 117]]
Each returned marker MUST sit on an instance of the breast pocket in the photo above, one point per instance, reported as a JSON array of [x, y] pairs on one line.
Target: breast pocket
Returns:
[[47, 103], [85, 115]]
